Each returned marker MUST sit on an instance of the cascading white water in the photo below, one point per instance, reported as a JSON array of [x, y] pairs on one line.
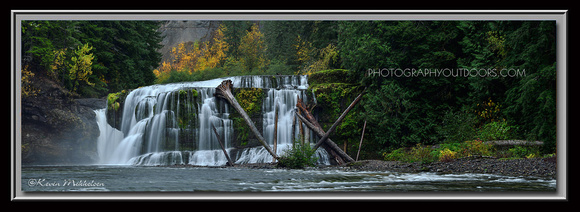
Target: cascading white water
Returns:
[[171, 124], [108, 139], [210, 114]]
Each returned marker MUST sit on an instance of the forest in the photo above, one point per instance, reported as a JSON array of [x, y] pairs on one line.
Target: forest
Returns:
[[427, 82]]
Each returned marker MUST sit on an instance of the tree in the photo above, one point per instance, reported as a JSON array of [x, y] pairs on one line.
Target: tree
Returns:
[[282, 37], [362, 46], [214, 52], [233, 35], [124, 52], [531, 45], [80, 66], [392, 116], [252, 50], [190, 59]]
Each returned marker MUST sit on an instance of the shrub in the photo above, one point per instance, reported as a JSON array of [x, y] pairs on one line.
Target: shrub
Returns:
[[496, 130], [114, 100], [444, 152], [395, 155], [423, 154], [522, 151], [419, 153], [297, 157], [477, 147], [447, 155]]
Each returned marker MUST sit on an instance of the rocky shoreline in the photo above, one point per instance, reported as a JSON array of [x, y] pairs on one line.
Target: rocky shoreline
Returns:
[[536, 167]]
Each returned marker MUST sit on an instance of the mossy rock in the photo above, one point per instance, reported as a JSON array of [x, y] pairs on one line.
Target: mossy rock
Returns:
[[250, 99], [114, 100]]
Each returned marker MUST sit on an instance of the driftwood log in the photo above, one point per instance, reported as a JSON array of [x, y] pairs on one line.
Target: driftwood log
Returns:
[[311, 122], [224, 91], [514, 143], [361, 140], [308, 119], [335, 151]]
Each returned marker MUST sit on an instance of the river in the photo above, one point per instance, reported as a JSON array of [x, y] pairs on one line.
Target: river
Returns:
[[105, 178]]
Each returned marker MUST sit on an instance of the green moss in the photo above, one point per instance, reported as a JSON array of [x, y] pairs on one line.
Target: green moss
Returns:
[[184, 104], [333, 98], [334, 93], [183, 93], [250, 100], [114, 100]]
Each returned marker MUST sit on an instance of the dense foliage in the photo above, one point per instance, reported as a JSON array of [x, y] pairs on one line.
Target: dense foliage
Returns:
[[425, 108], [92, 58], [255, 48]]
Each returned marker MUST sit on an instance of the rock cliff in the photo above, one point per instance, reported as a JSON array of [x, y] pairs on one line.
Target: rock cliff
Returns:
[[58, 129]]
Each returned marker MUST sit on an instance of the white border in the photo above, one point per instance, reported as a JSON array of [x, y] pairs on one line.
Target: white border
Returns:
[[560, 16]]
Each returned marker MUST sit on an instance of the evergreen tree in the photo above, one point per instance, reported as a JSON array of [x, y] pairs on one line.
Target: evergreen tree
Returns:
[[124, 53]]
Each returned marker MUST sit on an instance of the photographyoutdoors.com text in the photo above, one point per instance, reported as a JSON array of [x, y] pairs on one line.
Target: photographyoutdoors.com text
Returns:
[[446, 72]]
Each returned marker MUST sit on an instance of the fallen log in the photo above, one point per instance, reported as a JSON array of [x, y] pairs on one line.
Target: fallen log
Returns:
[[340, 156], [514, 143], [343, 156], [307, 114], [224, 91], [230, 162]]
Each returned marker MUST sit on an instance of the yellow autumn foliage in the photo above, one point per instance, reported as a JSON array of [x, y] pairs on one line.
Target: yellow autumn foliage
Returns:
[[27, 88], [194, 56], [81, 65], [252, 49]]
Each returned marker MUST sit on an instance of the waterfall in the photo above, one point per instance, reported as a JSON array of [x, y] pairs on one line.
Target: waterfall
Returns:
[[172, 123], [109, 138]]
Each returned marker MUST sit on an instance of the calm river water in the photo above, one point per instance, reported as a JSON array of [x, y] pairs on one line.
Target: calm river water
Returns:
[[133, 178]]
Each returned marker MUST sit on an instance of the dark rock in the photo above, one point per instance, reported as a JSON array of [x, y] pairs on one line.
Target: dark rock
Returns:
[[536, 167], [57, 129], [92, 103]]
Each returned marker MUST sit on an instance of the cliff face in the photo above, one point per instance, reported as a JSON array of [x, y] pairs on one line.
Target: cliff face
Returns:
[[57, 129], [177, 31]]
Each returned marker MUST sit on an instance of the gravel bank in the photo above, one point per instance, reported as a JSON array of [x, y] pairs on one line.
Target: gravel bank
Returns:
[[537, 167]]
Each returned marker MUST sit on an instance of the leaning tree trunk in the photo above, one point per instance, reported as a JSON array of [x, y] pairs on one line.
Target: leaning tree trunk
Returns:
[[343, 156], [331, 147], [224, 90], [333, 127], [230, 162]]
